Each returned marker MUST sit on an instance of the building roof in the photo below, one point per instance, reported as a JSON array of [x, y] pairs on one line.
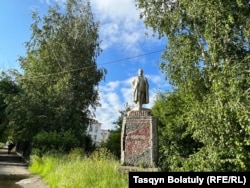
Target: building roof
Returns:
[[94, 121]]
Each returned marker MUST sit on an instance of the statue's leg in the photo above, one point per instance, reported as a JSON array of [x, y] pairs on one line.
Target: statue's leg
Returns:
[[140, 102], [141, 99], [139, 105]]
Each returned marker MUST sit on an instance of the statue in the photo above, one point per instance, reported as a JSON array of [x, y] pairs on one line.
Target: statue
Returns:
[[140, 86]]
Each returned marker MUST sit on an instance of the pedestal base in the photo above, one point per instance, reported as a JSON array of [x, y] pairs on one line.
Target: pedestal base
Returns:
[[139, 145], [126, 169]]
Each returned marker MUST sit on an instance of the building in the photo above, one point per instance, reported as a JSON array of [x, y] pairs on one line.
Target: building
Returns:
[[96, 132]]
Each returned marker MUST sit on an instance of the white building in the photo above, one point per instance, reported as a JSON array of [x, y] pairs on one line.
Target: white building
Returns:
[[96, 132]]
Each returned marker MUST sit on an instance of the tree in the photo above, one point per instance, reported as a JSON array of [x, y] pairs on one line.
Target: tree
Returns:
[[207, 62], [114, 141], [60, 77], [8, 88], [175, 144]]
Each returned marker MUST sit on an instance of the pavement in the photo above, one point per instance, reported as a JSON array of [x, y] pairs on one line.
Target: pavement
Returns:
[[14, 172]]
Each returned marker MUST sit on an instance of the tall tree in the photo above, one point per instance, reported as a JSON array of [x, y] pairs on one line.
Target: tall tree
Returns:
[[60, 77], [207, 62], [8, 88]]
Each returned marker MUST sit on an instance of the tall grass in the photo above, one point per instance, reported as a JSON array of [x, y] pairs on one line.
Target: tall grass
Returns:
[[76, 171]]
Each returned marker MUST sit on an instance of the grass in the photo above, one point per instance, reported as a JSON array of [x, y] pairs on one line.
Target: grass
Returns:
[[1, 144], [76, 170]]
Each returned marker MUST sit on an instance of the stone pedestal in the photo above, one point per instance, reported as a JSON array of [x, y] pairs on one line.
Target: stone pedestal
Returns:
[[139, 145]]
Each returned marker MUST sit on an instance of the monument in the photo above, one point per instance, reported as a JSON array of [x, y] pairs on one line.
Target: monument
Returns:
[[141, 87], [139, 146]]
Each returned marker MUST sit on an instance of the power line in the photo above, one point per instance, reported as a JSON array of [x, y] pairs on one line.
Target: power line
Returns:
[[115, 61], [87, 67]]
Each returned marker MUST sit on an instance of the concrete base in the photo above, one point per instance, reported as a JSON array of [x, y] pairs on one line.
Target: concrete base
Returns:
[[126, 169], [139, 143]]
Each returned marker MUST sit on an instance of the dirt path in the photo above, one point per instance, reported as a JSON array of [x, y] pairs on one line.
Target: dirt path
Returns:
[[14, 172]]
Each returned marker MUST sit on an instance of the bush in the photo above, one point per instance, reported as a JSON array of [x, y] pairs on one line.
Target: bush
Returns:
[[45, 142]]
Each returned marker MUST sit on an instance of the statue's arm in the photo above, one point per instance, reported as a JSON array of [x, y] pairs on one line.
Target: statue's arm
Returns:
[[146, 80], [133, 83]]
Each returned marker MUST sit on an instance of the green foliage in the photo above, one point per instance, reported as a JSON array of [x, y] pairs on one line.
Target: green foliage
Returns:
[[99, 170], [102, 154], [60, 79], [114, 141], [207, 62], [1, 144], [175, 143], [54, 141], [76, 154], [8, 88], [42, 165]]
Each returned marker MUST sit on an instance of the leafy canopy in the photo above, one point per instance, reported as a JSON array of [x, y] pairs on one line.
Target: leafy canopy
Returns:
[[60, 77], [207, 61]]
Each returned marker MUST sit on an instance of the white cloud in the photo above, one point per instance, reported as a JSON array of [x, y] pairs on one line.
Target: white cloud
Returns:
[[111, 86], [120, 24], [111, 103], [155, 78], [111, 99], [50, 2], [115, 9]]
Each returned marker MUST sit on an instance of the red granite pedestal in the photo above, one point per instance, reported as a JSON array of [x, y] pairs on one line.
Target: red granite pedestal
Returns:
[[139, 143]]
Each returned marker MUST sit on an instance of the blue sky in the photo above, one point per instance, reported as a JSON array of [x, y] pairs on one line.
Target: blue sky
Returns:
[[122, 33]]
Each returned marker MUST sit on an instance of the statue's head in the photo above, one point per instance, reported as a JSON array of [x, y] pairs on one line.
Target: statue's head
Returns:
[[140, 72]]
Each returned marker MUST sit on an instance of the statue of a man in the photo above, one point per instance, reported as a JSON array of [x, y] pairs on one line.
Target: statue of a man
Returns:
[[140, 86]]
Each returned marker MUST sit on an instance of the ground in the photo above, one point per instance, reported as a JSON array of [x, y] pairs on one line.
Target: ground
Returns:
[[14, 172]]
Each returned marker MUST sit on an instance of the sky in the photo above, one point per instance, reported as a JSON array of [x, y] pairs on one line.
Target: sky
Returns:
[[126, 48]]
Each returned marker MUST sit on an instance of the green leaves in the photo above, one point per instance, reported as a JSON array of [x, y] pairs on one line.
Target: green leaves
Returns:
[[206, 59], [54, 141], [60, 75]]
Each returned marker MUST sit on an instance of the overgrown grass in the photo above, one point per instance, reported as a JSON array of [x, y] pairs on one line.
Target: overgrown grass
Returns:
[[78, 171]]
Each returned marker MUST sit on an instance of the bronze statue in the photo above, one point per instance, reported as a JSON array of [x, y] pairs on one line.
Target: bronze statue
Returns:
[[140, 86]]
